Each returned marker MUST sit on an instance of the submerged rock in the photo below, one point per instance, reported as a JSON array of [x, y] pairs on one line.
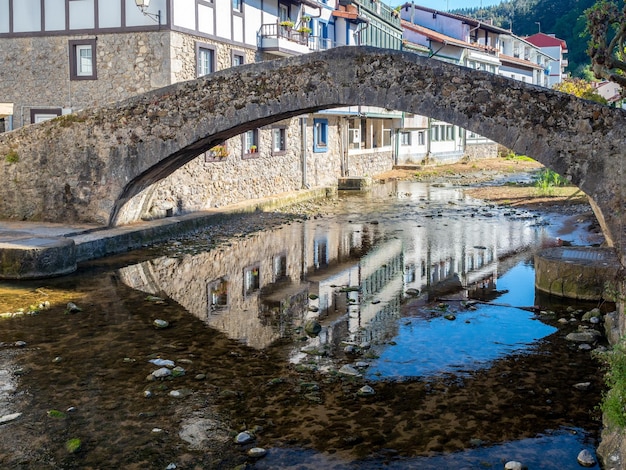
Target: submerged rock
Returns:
[[513, 465]]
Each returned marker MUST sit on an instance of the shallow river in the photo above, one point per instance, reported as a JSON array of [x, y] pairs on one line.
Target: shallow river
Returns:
[[397, 331]]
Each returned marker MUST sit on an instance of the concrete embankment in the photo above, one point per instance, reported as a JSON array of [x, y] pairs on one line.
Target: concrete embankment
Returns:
[[37, 250]]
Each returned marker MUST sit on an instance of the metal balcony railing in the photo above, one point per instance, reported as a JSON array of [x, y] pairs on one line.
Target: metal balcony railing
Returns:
[[275, 30]]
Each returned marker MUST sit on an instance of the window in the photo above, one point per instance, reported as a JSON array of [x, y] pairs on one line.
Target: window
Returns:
[[449, 132], [421, 138], [320, 253], [250, 143], [386, 132], [279, 139], [283, 13], [405, 138], [206, 59], [237, 5], [279, 267], [434, 133], [217, 295], [320, 135], [83, 59], [354, 134], [238, 59], [41, 115], [251, 279]]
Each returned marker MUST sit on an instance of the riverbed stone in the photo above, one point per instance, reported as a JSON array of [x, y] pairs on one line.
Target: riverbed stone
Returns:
[[595, 313], [257, 452], [201, 433], [584, 336], [513, 465], [366, 391], [160, 324], [586, 459], [312, 328], [161, 373], [243, 438], [10, 417], [347, 369]]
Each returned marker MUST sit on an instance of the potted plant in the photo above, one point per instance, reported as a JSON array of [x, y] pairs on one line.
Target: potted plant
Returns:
[[252, 149], [288, 24], [219, 151], [304, 30]]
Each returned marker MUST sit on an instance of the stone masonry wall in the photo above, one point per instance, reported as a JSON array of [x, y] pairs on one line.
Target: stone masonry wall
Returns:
[[127, 65], [478, 151], [370, 163], [206, 183]]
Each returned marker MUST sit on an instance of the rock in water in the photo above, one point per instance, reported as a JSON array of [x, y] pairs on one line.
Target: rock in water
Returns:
[[257, 452], [586, 459], [243, 438], [312, 328]]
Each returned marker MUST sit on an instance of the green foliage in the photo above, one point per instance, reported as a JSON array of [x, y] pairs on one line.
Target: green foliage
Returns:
[[68, 119], [56, 414], [73, 445], [614, 401], [547, 180], [581, 88], [515, 157], [606, 25], [12, 157]]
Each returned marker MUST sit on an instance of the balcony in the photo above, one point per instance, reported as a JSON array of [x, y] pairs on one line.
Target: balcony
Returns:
[[283, 40]]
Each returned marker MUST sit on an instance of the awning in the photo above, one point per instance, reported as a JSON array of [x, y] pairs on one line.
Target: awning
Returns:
[[351, 16], [6, 109]]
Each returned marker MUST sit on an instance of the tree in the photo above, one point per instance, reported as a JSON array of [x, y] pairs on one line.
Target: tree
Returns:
[[606, 24], [581, 88]]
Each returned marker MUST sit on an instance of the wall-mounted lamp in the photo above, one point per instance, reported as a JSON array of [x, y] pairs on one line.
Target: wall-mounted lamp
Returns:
[[143, 5]]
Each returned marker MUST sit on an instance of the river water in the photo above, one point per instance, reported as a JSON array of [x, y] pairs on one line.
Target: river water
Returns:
[[426, 294]]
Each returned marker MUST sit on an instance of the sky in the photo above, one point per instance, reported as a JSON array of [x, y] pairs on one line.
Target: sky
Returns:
[[445, 5]]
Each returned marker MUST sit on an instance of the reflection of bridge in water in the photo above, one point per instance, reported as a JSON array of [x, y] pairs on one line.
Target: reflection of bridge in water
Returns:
[[350, 276]]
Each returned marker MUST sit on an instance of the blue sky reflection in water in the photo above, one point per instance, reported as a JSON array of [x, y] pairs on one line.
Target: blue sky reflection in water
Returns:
[[473, 340]]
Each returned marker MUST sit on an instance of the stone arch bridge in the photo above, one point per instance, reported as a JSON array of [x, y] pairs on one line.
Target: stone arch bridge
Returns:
[[87, 166]]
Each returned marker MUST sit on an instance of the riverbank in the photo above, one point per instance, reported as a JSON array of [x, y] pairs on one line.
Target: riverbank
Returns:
[[516, 192]]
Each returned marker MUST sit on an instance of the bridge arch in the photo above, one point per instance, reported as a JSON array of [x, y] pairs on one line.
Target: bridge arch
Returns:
[[118, 150]]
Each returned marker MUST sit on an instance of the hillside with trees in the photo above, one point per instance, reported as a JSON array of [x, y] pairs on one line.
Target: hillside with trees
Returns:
[[563, 18]]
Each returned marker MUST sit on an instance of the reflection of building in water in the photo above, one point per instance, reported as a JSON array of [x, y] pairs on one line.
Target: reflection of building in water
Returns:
[[461, 248], [225, 287], [258, 289], [352, 276], [361, 297]]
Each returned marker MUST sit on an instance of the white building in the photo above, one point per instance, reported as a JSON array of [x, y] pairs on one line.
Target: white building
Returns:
[[555, 48], [474, 44]]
